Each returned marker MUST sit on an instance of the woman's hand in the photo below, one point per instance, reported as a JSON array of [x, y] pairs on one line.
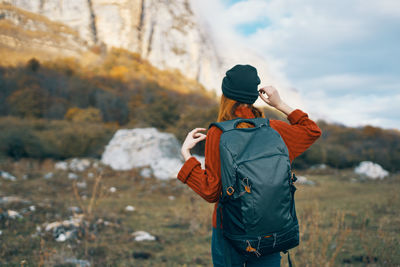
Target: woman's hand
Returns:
[[191, 140], [274, 99]]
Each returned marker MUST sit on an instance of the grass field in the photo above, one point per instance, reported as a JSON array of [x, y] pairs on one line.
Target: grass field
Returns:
[[344, 221]]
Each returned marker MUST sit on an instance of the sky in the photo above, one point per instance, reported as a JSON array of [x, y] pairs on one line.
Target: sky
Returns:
[[342, 56]]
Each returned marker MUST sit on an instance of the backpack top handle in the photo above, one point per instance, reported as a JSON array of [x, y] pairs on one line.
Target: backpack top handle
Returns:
[[231, 124]]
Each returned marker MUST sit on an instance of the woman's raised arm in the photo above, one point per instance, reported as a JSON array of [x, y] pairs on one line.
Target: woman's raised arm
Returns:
[[205, 182]]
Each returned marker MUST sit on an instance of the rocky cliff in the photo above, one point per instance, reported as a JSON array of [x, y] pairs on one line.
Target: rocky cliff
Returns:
[[164, 32], [25, 32]]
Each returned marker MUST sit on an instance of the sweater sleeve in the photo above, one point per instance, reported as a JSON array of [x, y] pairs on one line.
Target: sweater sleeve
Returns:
[[300, 134], [205, 182]]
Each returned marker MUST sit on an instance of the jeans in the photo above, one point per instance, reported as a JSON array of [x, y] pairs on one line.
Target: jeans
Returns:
[[217, 252]]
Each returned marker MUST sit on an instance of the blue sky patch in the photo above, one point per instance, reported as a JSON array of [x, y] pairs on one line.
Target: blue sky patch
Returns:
[[250, 28]]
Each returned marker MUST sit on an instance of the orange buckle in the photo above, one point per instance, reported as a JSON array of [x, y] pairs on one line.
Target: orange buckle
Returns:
[[247, 189], [230, 191], [250, 249]]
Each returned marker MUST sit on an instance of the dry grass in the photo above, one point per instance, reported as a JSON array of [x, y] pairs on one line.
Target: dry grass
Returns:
[[342, 223]]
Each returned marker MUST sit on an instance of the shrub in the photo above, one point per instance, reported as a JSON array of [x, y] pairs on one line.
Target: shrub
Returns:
[[56, 139], [83, 115]]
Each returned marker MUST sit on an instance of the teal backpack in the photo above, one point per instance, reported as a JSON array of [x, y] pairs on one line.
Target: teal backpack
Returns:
[[256, 207]]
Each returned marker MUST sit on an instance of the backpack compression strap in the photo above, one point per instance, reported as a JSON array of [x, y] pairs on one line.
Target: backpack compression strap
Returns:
[[231, 124]]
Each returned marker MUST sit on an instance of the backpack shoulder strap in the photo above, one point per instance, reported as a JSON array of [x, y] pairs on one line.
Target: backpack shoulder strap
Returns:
[[231, 124]]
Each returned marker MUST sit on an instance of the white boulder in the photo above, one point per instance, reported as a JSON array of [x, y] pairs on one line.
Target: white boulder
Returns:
[[7, 176], [371, 170], [129, 208], [201, 159], [143, 236], [113, 189], [303, 180], [143, 147]]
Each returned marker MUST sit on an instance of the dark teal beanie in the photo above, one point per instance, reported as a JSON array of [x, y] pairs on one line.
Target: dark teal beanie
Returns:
[[240, 84]]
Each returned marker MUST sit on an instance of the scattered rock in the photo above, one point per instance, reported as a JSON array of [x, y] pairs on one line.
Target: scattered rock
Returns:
[[81, 185], [371, 170], [143, 236], [12, 199], [7, 176], [73, 221], [113, 189], [67, 229], [74, 164], [48, 175], [79, 165], [321, 166], [72, 176], [78, 262], [130, 208], [304, 180], [75, 209], [61, 238], [61, 165], [143, 147], [12, 214], [146, 172]]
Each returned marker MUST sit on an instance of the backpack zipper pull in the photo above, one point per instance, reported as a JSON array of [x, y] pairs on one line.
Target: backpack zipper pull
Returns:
[[251, 249]]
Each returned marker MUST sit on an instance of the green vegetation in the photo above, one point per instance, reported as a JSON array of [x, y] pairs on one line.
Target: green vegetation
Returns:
[[344, 147], [55, 99], [342, 222], [38, 138]]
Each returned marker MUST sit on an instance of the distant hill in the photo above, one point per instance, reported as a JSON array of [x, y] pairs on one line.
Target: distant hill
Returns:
[[60, 108], [61, 79]]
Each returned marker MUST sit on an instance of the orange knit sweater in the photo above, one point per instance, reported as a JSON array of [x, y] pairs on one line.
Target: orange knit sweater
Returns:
[[298, 136]]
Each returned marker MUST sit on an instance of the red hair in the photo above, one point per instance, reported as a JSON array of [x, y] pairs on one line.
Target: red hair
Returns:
[[227, 109]]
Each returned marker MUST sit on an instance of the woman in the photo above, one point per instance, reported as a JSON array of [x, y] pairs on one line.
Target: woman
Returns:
[[239, 92]]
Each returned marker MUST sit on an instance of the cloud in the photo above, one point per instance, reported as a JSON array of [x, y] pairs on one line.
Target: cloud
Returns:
[[342, 56]]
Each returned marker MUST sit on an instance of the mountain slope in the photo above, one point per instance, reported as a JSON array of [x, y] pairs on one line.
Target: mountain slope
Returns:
[[23, 34], [164, 32]]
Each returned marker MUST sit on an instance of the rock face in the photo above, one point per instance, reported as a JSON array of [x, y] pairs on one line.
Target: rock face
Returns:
[[164, 32], [371, 170], [144, 147], [23, 30]]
